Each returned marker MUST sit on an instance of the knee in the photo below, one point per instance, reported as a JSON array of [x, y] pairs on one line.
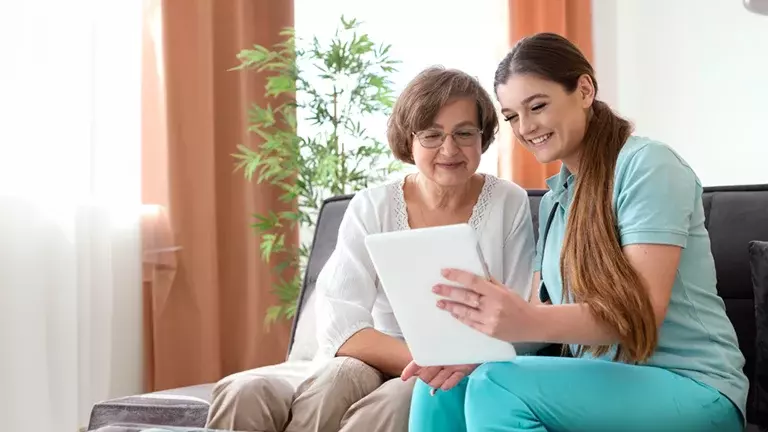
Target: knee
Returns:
[[442, 411], [388, 407], [244, 389], [349, 376], [487, 388], [422, 401], [350, 366], [392, 399], [399, 394], [421, 393], [250, 402], [495, 374], [484, 381], [422, 397]]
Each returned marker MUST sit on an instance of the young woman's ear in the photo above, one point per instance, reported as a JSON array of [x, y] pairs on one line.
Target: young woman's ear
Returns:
[[586, 90]]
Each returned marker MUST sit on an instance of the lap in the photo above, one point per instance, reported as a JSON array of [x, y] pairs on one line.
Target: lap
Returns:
[[385, 409], [393, 392], [594, 394], [443, 411], [346, 377], [255, 385], [287, 376]]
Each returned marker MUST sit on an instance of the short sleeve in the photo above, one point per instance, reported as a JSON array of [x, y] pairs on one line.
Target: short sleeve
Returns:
[[346, 286], [655, 198]]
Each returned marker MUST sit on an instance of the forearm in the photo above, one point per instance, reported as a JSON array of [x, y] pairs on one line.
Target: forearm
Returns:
[[570, 324], [386, 353]]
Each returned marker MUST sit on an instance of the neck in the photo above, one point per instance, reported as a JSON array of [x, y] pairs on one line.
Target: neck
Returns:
[[436, 196], [573, 167], [572, 163]]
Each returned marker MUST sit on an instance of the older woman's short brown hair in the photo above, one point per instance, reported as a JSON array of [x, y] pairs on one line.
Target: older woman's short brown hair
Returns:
[[422, 99]]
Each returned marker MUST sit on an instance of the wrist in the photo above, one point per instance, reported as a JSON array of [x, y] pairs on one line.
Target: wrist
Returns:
[[541, 324]]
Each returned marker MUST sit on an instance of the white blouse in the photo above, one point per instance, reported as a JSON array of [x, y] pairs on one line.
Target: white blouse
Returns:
[[349, 296]]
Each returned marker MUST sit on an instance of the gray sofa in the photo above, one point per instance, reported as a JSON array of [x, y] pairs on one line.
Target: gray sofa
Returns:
[[735, 216]]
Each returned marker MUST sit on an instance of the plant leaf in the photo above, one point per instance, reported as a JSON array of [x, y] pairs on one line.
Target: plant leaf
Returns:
[[340, 86]]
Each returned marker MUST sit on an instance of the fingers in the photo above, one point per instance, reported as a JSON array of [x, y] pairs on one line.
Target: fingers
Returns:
[[427, 374], [461, 295], [410, 371], [461, 311], [440, 378], [468, 316], [470, 280], [452, 381]]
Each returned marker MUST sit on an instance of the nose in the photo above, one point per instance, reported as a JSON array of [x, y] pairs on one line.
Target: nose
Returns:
[[449, 147], [527, 126]]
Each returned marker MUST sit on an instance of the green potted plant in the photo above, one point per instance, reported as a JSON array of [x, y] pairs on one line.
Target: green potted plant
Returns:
[[334, 87]]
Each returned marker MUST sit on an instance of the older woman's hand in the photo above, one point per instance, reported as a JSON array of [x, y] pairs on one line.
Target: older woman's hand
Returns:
[[487, 306], [438, 377]]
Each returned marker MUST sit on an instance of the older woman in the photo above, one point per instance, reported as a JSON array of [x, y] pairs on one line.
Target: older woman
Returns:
[[442, 123]]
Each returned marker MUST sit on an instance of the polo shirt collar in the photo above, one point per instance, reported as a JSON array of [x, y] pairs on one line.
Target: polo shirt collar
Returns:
[[561, 184]]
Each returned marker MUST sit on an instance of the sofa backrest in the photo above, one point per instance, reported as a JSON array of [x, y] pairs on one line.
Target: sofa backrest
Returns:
[[735, 215], [303, 344]]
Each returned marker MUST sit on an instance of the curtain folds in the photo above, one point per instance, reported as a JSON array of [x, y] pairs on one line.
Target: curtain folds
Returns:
[[569, 18], [207, 288]]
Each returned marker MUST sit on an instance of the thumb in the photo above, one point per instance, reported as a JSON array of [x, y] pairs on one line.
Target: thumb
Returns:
[[410, 371]]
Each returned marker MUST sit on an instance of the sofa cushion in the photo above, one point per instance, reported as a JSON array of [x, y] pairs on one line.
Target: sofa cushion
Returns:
[[183, 407], [758, 251], [186, 406]]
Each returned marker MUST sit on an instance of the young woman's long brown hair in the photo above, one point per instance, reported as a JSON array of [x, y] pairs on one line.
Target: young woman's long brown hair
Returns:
[[594, 268]]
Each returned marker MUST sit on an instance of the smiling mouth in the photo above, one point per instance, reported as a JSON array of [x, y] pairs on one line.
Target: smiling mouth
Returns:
[[450, 165], [539, 140]]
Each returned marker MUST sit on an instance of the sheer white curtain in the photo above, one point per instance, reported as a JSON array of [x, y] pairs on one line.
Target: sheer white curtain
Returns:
[[70, 272]]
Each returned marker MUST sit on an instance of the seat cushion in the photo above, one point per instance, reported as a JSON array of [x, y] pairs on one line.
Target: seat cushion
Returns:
[[182, 407], [186, 407], [758, 251]]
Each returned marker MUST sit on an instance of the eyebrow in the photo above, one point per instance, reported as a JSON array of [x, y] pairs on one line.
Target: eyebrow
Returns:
[[464, 123], [528, 100], [532, 97]]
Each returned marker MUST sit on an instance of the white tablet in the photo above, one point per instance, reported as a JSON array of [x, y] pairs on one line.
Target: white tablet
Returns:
[[408, 265]]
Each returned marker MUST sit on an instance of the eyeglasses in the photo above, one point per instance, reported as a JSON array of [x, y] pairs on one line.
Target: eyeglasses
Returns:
[[433, 138]]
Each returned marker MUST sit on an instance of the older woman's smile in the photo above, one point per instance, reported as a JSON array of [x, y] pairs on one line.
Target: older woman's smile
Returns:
[[451, 165]]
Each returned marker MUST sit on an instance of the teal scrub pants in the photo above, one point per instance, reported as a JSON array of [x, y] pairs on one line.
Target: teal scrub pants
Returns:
[[551, 394]]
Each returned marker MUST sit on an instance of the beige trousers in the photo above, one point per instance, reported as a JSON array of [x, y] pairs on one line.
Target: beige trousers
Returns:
[[345, 396]]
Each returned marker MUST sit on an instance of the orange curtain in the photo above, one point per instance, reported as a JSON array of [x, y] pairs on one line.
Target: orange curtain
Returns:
[[569, 18], [206, 288]]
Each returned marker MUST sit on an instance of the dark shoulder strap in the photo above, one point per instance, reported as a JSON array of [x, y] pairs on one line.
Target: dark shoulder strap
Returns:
[[543, 293]]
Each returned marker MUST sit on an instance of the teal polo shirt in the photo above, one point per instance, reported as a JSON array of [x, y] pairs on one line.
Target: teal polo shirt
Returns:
[[658, 199]]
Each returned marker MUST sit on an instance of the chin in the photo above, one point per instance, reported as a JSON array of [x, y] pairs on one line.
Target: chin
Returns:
[[543, 159], [544, 156], [454, 178]]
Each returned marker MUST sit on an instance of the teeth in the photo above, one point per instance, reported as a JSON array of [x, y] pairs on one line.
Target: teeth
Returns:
[[541, 139]]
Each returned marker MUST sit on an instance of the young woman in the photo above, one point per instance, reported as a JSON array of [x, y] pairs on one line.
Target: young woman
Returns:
[[627, 279]]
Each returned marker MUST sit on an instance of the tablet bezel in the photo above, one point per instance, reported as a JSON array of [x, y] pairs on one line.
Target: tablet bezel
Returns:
[[408, 265]]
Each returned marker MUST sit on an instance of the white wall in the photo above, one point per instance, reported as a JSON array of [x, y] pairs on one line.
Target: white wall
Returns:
[[422, 33], [693, 73]]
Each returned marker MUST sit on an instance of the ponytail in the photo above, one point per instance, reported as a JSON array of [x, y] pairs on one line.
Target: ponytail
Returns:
[[594, 268]]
